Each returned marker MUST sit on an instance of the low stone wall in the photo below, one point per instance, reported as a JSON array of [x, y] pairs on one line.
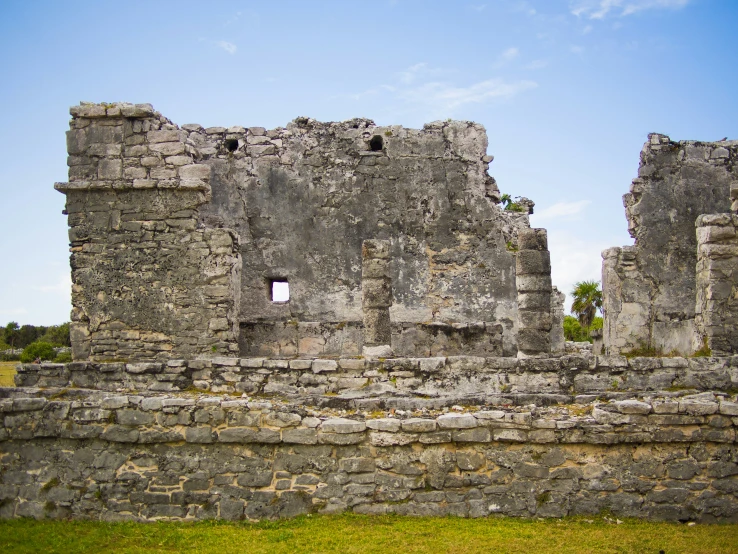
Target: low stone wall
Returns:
[[137, 457], [450, 379]]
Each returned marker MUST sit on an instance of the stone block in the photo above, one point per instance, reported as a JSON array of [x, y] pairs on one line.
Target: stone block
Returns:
[[374, 248], [532, 262], [532, 239], [384, 424], [538, 302], [377, 327], [457, 421], [376, 293], [342, 425], [323, 366], [418, 425]]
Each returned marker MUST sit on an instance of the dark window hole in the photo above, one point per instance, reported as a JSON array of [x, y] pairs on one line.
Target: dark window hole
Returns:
[[279, 290], [231, 145], [376, 143]]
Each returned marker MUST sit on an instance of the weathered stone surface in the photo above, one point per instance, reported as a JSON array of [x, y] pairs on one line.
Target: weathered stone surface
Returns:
[[649, 288]]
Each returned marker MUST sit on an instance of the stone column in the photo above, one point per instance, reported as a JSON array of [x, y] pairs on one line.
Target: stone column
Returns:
[[376, 296], [558, 341], [716, 306], [533, 281]]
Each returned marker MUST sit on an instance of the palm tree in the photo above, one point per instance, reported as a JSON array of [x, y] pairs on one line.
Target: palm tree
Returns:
[[587, 300]]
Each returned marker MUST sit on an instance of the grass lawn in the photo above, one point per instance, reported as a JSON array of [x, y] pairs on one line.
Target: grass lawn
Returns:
[[359, 534], [7, 370]]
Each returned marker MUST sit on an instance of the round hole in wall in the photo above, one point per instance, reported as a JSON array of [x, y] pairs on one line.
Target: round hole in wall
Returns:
[[376, 143], [231, 145]]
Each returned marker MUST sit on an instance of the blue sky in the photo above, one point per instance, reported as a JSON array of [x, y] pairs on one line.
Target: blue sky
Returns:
[[567, 90]]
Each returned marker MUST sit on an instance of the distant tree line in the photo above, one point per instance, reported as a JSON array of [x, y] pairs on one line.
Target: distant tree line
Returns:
[[17, 336]]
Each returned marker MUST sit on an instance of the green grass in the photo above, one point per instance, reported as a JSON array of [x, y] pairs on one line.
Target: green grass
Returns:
[[7, 370], [360, 534]]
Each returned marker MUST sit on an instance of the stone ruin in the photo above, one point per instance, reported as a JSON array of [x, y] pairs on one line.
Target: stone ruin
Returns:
[[179, 234], [418, 365], [674, 291]]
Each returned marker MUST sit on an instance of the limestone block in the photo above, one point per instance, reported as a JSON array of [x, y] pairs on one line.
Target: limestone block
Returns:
[[532, 319], [539, 301], [377, 326], [533, 262], [376, 293], [532, 283], [532, 239], [110, 169]]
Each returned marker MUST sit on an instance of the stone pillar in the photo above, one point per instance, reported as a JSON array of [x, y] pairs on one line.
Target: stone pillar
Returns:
[[626, 302], [716, 304], [533, 281], [376, 297], [558, 341]]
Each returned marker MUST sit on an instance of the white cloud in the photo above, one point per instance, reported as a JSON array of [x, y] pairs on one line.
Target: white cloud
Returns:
[[418, 72], [536, 64], [447, 97], [524, 7], [559, 210], [478, 7], [600, 9], [418, 88], [9, 313], [506, 57], [227, 46], [63, 285], [509, 54]]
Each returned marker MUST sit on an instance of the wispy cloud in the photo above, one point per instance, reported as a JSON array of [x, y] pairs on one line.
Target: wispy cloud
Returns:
[[509, 55], [418, 72], [478, 7], [524, 7], [536, 64], [600, 9], [505, 57], [431, 90], [11, 312], [448, 97], [63, 285], [227, 46], [560, 210]]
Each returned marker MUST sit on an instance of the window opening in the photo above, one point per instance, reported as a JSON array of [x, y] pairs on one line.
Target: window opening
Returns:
[[376, 143], [279, 290]]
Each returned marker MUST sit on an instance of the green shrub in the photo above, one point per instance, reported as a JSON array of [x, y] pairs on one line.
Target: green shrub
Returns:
[[574, 331], [63, 358], [42, 350]]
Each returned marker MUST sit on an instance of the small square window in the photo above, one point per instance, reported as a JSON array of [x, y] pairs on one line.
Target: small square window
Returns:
[[280, 291]]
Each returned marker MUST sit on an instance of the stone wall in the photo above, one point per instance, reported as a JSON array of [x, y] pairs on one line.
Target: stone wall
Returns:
[[313, 338], [134, 457], [304, 198], [149, 281], [717, 283], [163, 207], [649, 289], [396, 382]]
